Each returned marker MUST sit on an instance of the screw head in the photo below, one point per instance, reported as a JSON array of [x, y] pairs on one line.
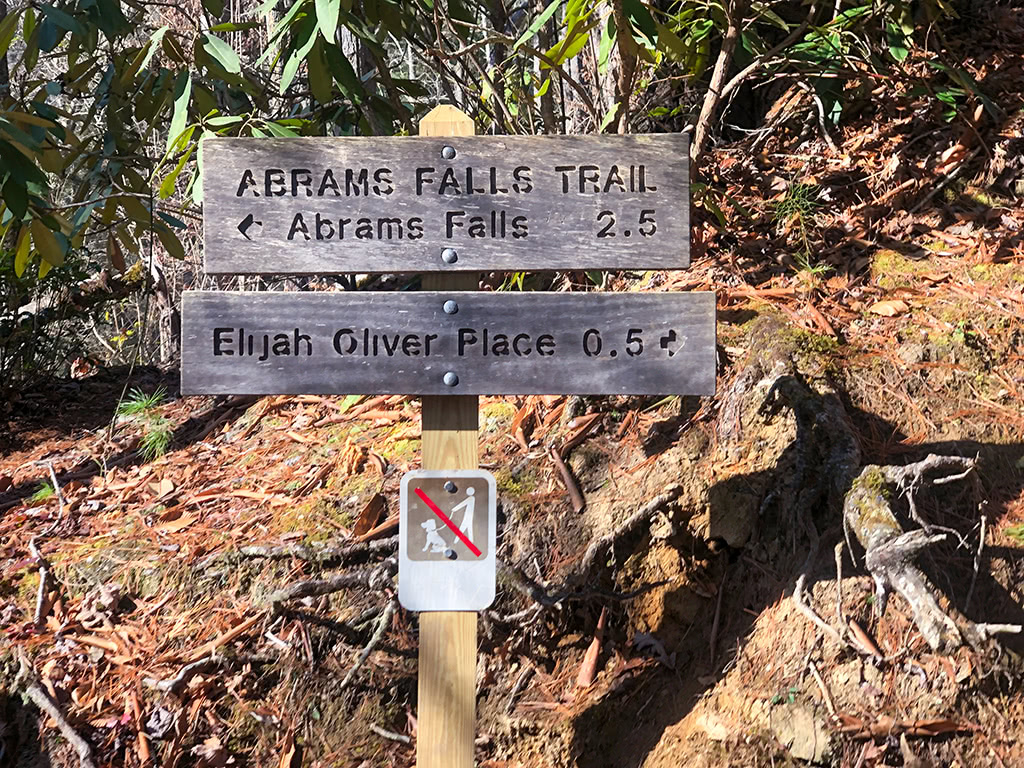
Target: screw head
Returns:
[[451, 379], [451, 554], [449, 256], [450, 307], [450, 487], [448, 153]]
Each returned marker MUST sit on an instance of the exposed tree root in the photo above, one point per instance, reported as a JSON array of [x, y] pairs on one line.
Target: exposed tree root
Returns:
[[827, 475], [371, 578], [378, 635]]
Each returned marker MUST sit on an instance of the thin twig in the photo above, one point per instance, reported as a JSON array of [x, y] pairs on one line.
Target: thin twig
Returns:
[[766, 57], [226, 637], [946, 181], [588, 103], [184, 676], [42, 700], [839, 583], [575, 495], [60, 501], [519, 685], [44, 573], [824, 690], [806, 610], [370, 578], [987, 630], [386, 734], [821, 114], [977, 563], [718, 615], [378, 635]]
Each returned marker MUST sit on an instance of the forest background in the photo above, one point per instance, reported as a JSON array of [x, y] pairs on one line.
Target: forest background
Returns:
[[209, 581]]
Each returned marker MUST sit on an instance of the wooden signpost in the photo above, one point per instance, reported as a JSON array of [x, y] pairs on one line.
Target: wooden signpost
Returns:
[[450, 205]]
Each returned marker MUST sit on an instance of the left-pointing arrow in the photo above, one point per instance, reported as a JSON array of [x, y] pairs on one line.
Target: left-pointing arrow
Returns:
[[247, 222]]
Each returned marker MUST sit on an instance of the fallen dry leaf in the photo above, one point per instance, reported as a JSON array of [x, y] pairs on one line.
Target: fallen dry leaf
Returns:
[[288, 751], [588, 669], [889, 308], [371, 514], [174, 526]]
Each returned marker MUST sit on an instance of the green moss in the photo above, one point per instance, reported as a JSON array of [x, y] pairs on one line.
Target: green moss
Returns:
[[497, 415], [27, 589], [986, 198], [243, 729], [515, 487], [311, 516], [870, 494], [889, 269], [405, 449], [815, 343], [98, 561], [1001, 274]]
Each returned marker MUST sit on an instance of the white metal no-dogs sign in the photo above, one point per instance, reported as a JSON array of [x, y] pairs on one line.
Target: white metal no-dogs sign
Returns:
[[447, 521]]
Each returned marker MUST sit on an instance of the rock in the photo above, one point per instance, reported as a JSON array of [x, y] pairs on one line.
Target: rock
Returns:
[[802, 731]]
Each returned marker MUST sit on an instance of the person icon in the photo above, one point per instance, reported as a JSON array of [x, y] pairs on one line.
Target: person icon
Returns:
[[435, 543], [469, 504]]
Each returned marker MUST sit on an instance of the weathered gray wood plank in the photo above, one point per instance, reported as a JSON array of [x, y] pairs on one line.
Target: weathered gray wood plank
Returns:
[[393, 204], [405, 343]]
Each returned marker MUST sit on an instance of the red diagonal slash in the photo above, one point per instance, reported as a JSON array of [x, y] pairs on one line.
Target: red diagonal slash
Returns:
[[444, 519]]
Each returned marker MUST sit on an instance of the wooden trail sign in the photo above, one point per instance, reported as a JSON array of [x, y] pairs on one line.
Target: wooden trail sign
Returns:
[[448, 343], [450, 205], [429, 203]]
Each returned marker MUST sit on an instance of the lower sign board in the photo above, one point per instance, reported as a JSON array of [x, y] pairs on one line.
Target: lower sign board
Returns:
[[447, 343], [446, 538]]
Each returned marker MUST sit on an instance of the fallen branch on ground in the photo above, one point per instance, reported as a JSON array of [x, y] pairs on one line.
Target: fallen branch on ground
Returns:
[[378, 635], [371, 578], [330, 550], [184, 676], [41, 699]]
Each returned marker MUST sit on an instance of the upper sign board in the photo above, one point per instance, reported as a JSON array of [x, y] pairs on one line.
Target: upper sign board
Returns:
[[447, 343], [429, 204]]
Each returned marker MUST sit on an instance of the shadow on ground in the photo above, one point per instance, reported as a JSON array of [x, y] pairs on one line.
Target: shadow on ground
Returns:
[[623, 728], [70, 408], [20, 746]]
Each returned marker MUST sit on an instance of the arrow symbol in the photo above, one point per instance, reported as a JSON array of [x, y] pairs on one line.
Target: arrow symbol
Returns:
[[247, 222], [667, 339]]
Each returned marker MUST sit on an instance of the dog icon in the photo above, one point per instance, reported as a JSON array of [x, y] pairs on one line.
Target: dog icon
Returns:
[[434, 543]]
